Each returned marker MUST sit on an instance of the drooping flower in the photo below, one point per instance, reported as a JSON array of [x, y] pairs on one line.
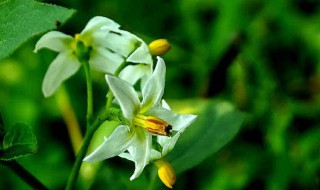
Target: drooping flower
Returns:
[[109, 47], [145, 118]]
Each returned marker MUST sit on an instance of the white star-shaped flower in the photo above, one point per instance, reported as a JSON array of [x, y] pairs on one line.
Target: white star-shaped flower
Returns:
[[109, 47], [145, 118]]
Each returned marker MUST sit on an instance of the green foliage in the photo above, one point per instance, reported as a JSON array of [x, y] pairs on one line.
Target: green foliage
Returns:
[[18, 141], [217, 123], [22, 19]]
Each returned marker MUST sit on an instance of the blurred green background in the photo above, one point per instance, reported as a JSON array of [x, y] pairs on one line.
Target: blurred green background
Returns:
[[261, 55]]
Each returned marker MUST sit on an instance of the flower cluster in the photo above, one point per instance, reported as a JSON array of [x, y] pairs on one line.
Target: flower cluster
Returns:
[[99, 35], [147, 119]]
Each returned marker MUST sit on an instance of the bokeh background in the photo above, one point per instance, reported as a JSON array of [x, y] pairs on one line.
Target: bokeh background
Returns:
[[260, 55]]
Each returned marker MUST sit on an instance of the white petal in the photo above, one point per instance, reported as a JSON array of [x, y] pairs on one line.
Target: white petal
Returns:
[[141, 54], [61, 68], [126, 156], [178, 121], [117, 143], [121, 42], [168, 143], [164, 104], [140, 151], [125, 95], [154, 155], [104, 60], [133, 73], [56, 41], [152, 91], [97, 22]]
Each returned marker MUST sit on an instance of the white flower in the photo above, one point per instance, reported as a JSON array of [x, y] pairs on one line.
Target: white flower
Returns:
[[109, 46], [144, 119]]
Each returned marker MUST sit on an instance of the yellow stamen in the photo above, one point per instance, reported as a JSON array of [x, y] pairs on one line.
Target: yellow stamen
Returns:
[[77, 36], [166, 172], [153, 125], [159, 47]]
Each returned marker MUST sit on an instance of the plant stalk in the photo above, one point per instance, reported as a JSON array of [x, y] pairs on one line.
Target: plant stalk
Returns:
[[24, 174], [85, 144]]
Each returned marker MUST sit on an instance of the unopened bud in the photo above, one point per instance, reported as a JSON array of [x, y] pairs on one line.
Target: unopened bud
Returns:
[[159, 47], [166, 172]]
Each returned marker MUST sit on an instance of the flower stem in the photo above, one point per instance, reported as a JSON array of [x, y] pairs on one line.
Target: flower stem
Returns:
[[24, 174], [89, 92], [110, 113], [116, 73]]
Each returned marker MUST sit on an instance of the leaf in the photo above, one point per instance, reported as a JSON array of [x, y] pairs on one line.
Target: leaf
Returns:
[[22, 19], [216, 125], [18, 141]]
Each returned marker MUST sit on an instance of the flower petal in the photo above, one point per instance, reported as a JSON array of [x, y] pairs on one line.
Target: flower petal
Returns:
[[141, 54], [164, 104], [117, 143], [125, 95], [97, 23], [121, 42], [104, 60], [152, 91], [132, 73], [61, 68], [140, 151], [154, 155], [126, 155], [168, 143], [178, 121], [56, 41]]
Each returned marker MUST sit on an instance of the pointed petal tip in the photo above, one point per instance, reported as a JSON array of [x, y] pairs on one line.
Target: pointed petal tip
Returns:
[[46, 93], [86, 159], [160, 59]]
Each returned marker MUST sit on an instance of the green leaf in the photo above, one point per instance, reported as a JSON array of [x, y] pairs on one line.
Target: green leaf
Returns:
[[22, 19], [216, 125], [18, 141]]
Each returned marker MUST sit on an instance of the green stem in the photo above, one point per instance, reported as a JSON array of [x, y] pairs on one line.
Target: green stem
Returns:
[[116, 73], [110, 113], [89, 92], [24, 174]]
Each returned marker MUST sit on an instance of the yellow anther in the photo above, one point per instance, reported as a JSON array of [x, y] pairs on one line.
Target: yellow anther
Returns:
[[153, 125], [166, 172], [77, 36], [159, 47]]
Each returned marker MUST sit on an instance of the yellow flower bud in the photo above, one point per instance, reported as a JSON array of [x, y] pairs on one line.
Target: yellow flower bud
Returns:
[[159, 47], [166, 172]]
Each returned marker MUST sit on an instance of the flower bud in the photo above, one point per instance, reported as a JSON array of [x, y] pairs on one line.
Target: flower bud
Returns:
[[159, 47], [166, 172]]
